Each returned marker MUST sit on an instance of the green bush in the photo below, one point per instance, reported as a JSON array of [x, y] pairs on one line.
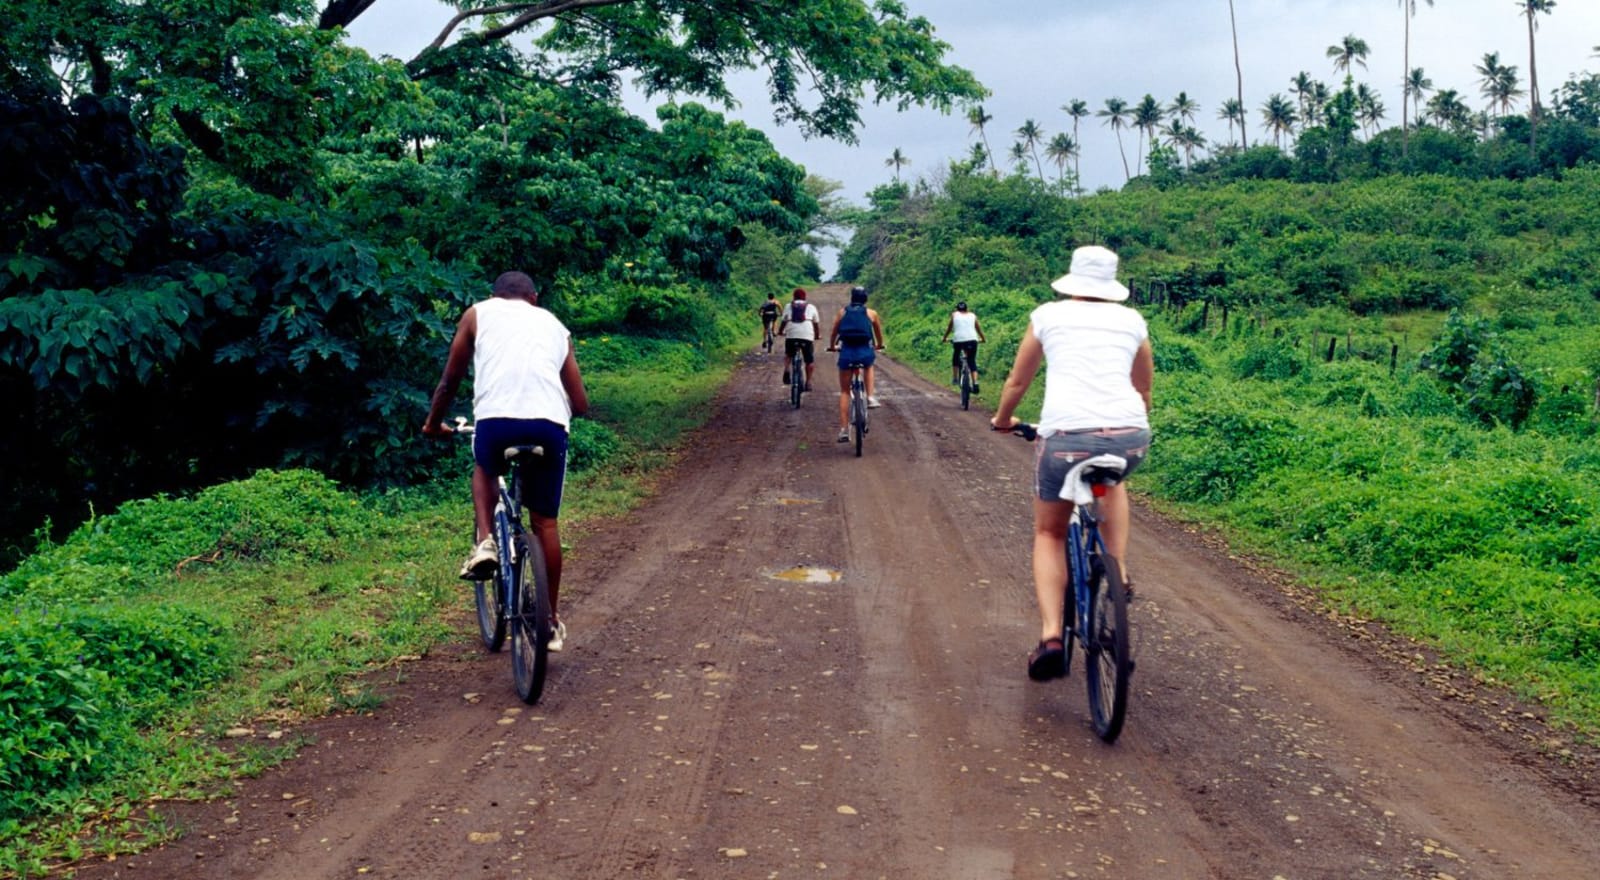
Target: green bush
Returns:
[[590, 445]]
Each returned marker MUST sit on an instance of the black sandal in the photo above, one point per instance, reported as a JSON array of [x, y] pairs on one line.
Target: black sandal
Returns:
[[1048, 661]]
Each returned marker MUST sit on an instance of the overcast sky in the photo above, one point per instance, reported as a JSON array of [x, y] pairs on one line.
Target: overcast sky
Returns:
[[1036, 55]]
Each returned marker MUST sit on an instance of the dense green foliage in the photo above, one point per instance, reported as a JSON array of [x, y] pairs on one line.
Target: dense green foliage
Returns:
[[231, 240], [1388, 385]]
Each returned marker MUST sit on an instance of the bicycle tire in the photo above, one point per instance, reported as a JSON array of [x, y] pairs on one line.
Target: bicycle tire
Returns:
[[966, 386], [797, 379], [487, 595], [1108, 663], [858, 411], [531, 623]]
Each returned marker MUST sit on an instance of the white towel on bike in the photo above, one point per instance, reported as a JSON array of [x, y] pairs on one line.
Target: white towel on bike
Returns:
[[1074, 489]]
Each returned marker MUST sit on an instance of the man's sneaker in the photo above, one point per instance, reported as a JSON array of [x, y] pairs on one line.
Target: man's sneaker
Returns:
[[844, 435], [974, 388], [481, 563], [558, 638], [785, 377], [872, 403]]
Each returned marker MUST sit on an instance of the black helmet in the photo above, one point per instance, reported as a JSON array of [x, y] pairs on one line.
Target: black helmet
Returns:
[[858, 294]]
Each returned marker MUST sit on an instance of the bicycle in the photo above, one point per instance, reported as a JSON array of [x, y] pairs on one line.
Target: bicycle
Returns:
[[797, 377], [767, 336], [517, 596], [1097, 605]]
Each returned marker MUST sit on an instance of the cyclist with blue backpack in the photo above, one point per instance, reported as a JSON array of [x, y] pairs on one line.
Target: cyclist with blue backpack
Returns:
[[858, 336]]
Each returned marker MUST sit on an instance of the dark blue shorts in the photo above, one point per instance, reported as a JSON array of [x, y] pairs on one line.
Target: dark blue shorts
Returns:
[[852, 356], [543, 476]]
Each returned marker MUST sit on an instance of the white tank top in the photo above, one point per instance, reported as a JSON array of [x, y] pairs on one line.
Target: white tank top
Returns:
[[963, 327], [516, 363]]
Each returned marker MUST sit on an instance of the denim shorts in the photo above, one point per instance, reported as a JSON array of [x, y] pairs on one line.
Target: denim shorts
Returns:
[[1059, 452], [543, 476], [852, 356]]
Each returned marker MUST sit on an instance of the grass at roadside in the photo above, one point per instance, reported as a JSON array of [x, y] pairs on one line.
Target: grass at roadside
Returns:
[[277, 598]]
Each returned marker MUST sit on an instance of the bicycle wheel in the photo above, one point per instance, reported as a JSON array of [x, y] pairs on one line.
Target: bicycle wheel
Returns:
[[858, 415], [487, 594], [966, 386], [797, 379], [531, 623], [1108, 661]]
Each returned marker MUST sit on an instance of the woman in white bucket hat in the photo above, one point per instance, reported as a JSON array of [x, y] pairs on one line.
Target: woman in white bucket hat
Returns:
[[1098, 373]]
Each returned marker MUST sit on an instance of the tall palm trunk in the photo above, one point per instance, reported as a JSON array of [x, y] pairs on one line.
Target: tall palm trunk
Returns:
[[1533, 91], [1238, 73], [1405, 86]]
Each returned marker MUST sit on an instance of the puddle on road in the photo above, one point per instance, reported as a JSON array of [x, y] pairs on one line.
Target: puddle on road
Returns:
[[807, 574]]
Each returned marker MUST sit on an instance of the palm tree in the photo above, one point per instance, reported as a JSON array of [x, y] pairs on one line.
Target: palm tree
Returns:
[[1019, 157], [1183, 108], [1061, 149], [1278, 115], [1077, 109], [1031, 134], [1351, 49], [1116, 115], [1417, 84], [1408, 11], [1532, 7], [1316, 102], [1449, 111], [896, 160], [1232, 111], [1146, 117], [979, 119], [1499, 83], [1369, 109], [1184, 137], [1301, 85], [1238, 73]]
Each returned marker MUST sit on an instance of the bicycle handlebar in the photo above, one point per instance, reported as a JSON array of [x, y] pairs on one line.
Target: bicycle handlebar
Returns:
[[1021, 429], [462, 427]]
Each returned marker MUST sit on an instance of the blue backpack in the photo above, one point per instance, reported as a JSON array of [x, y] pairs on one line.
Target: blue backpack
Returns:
[[855, 327]]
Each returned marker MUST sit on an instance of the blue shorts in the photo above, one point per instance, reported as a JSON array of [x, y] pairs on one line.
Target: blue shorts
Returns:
[[1059, 452], [852, 356], [543, 476]]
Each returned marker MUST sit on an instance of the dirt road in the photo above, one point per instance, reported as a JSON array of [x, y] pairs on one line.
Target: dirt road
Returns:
[[710, 719]]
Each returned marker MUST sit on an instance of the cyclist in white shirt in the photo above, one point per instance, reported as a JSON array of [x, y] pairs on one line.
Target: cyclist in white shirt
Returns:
[[1098, 374], [526, 389], [964, 332], [801, 328]]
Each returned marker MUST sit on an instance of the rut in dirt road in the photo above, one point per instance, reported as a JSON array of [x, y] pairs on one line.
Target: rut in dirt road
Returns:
[[712, 717]]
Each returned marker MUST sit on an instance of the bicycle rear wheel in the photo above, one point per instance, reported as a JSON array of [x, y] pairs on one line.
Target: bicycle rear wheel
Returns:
[[858, 415], [797, 379], [1109, 663], [966, 386], [487, 596], [531, 623]]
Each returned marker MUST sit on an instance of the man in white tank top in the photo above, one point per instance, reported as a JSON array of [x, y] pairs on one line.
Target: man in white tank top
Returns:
[[526, 389], [964, 333]]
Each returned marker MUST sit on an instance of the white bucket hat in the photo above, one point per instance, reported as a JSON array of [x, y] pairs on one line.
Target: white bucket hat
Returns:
[[1093, 275]]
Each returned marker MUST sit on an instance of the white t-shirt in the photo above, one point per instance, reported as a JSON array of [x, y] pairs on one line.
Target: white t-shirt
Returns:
[[963, 327], [801, 329], [1089, 348], [516, 363]]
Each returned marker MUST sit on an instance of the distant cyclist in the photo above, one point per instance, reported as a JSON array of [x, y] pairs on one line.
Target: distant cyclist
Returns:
[[801, 328], [858, 336], [770, 310], [1098, 373], [963, 331]]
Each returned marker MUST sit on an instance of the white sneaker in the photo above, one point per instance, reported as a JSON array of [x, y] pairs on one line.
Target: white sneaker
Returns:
[[872, 403], [482, 562], [844, 435], [558, 638]]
